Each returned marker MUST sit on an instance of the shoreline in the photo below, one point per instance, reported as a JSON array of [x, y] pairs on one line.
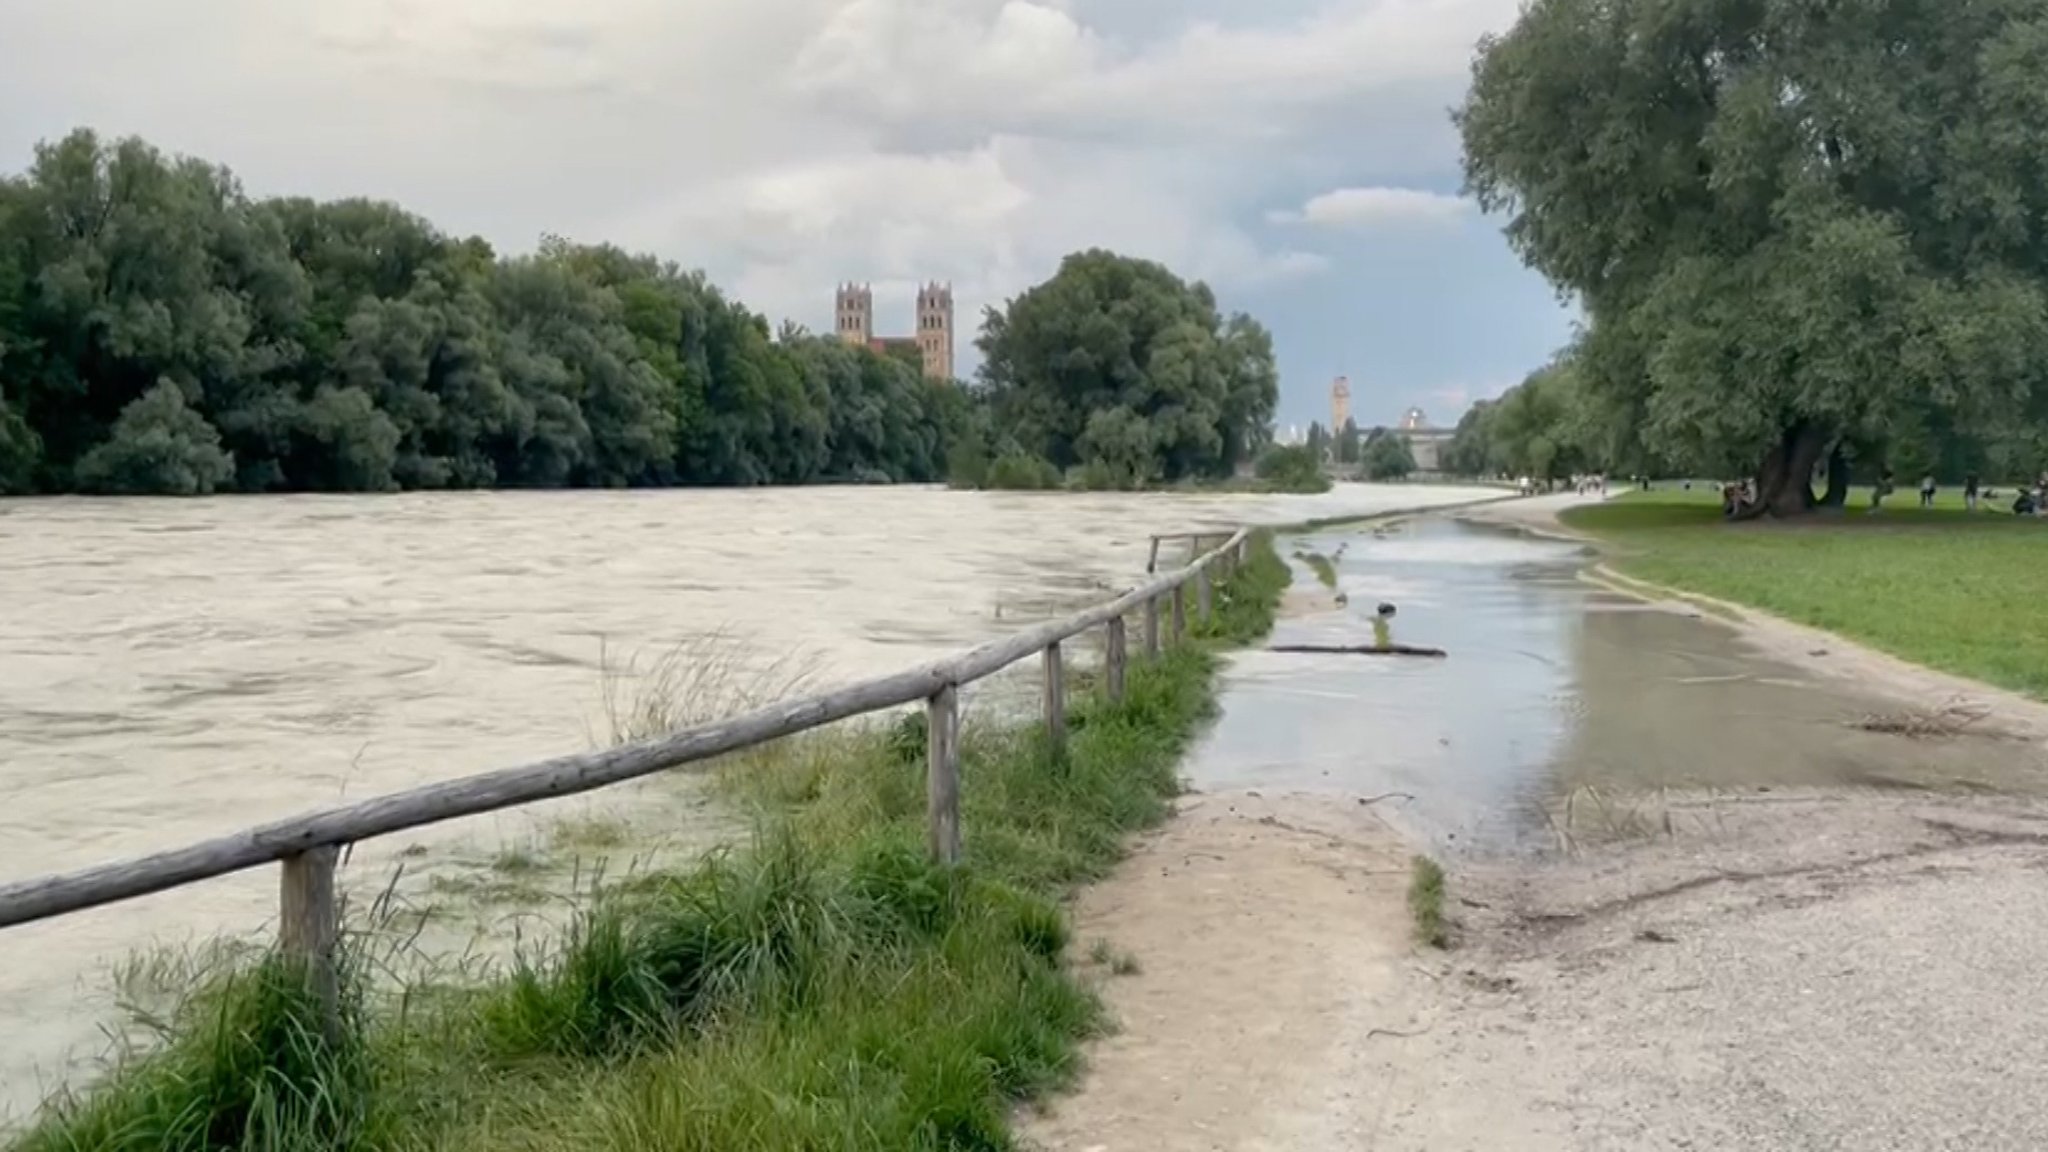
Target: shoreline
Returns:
[[1756, 969]]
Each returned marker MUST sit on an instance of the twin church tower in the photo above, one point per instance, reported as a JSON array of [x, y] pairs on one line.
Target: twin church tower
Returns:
[[854, 313]]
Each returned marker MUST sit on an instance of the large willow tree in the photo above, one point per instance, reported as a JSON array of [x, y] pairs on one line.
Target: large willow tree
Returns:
[[1803, 230]]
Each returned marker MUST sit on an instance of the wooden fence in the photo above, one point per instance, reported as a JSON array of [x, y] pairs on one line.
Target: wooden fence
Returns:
[[309, 846]]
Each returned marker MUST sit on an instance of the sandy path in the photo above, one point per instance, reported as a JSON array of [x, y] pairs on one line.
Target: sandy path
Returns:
[[1271, 935], [1863, 971]]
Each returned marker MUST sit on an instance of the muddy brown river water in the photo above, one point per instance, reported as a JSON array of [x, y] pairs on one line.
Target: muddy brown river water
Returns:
[[172, 670]]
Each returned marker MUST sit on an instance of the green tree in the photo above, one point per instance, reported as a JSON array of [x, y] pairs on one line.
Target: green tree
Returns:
[[1118, 450], [160, 447], [1349, 443], [1800, 233], [1386, 456], [1110, 332], [350, 345]]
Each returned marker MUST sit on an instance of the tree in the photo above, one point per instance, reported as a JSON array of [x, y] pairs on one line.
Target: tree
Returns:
[[350, 345], [1386, 456], [1789, 254], [1118, 450], [1318, 442], [1110, 332], [160, 447], [1348, 443]]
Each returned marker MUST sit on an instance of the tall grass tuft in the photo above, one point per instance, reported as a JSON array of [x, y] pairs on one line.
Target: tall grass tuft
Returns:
[[823, 986]]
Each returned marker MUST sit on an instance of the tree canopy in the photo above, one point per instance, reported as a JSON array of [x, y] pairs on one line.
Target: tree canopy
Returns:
[[163, 332], [1801, 233], [1120, 369]]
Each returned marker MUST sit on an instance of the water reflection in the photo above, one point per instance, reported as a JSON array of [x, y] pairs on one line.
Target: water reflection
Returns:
[[1563, 712]]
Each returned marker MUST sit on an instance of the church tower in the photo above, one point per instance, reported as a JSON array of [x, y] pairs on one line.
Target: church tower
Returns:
[[935, 330], [1340, 404], [855, 308]]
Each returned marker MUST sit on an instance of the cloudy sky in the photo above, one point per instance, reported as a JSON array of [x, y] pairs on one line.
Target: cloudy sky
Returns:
[[1294, 153]]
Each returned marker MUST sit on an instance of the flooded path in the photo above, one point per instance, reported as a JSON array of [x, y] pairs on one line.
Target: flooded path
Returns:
[[1563, 712]]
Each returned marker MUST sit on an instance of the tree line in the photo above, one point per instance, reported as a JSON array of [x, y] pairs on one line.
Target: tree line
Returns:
[[1806, 240], [162, 332]]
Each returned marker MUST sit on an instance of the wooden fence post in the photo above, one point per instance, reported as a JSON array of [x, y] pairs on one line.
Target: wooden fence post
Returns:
[[1202, 595], [1152, 628], [309, 928], [1152, 558], [1180, 612], [1113, 660], [1244, 550], [1055, 700], [942, 773]]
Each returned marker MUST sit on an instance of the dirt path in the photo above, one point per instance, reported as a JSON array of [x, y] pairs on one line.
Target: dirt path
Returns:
[[1859, 970], [1270, 936]]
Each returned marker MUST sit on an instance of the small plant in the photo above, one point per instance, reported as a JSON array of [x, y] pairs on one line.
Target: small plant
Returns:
[[1426, 902]]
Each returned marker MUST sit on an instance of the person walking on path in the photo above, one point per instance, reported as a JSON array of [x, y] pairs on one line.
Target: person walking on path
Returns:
[[1927, 490], [1970, 491]]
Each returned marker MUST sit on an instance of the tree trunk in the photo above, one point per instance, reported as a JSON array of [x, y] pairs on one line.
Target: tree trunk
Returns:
[[1837, 495], [1784, 481]]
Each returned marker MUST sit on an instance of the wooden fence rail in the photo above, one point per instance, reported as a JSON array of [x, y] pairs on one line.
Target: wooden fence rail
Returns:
[[309, 846]]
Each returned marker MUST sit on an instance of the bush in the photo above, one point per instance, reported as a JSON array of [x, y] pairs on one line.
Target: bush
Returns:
[[1292, 468], [1023, 472]]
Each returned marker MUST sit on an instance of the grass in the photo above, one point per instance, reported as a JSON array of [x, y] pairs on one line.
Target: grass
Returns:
[[1426, 902], [823, 986], [1942, 587]]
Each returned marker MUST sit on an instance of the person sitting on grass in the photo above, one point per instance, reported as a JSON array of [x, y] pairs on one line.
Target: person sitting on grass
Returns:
[[1383, 627]]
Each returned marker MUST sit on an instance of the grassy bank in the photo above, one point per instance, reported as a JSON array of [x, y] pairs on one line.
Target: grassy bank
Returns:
[[822, 987], [1943, 587]]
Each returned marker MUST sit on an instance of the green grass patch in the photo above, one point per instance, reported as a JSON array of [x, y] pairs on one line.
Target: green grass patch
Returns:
[[824, 986], [1426, 902], [1942, 587]]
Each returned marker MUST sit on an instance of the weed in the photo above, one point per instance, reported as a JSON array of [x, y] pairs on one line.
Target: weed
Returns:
[[1426, 902]]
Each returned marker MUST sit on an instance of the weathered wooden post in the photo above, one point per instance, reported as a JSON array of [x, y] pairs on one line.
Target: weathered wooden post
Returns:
[[1180, 612], [1113, 660], [1152, 559], [1244, 550], [1202, 595], [309, 929], [1055, 700], [1152, 628], [942, 772]]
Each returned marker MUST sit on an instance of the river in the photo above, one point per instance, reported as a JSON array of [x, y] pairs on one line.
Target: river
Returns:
[[173, 670]]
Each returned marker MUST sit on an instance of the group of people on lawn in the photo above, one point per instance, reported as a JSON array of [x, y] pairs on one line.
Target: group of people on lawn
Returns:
[[2027, 501]]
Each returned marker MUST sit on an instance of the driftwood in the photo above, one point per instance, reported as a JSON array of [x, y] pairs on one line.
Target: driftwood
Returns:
[[1357, 650], [41, 897]]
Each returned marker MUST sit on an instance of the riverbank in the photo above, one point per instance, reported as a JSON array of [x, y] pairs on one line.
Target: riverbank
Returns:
[[823, 986]]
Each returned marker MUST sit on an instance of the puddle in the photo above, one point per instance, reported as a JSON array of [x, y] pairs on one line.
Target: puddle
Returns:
[[1564, 711]]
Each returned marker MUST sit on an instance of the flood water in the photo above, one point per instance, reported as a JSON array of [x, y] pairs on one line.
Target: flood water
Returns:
[[174, 670], [1564, 713]]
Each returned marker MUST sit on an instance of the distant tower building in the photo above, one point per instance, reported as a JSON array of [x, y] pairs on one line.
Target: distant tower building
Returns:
[[932, 346], [935, 330], [1340, 404], [856, 313], [1414, 421]]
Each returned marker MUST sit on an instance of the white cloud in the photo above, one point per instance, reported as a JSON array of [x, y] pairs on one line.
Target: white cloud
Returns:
[[1369, 207], [783, 145]]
